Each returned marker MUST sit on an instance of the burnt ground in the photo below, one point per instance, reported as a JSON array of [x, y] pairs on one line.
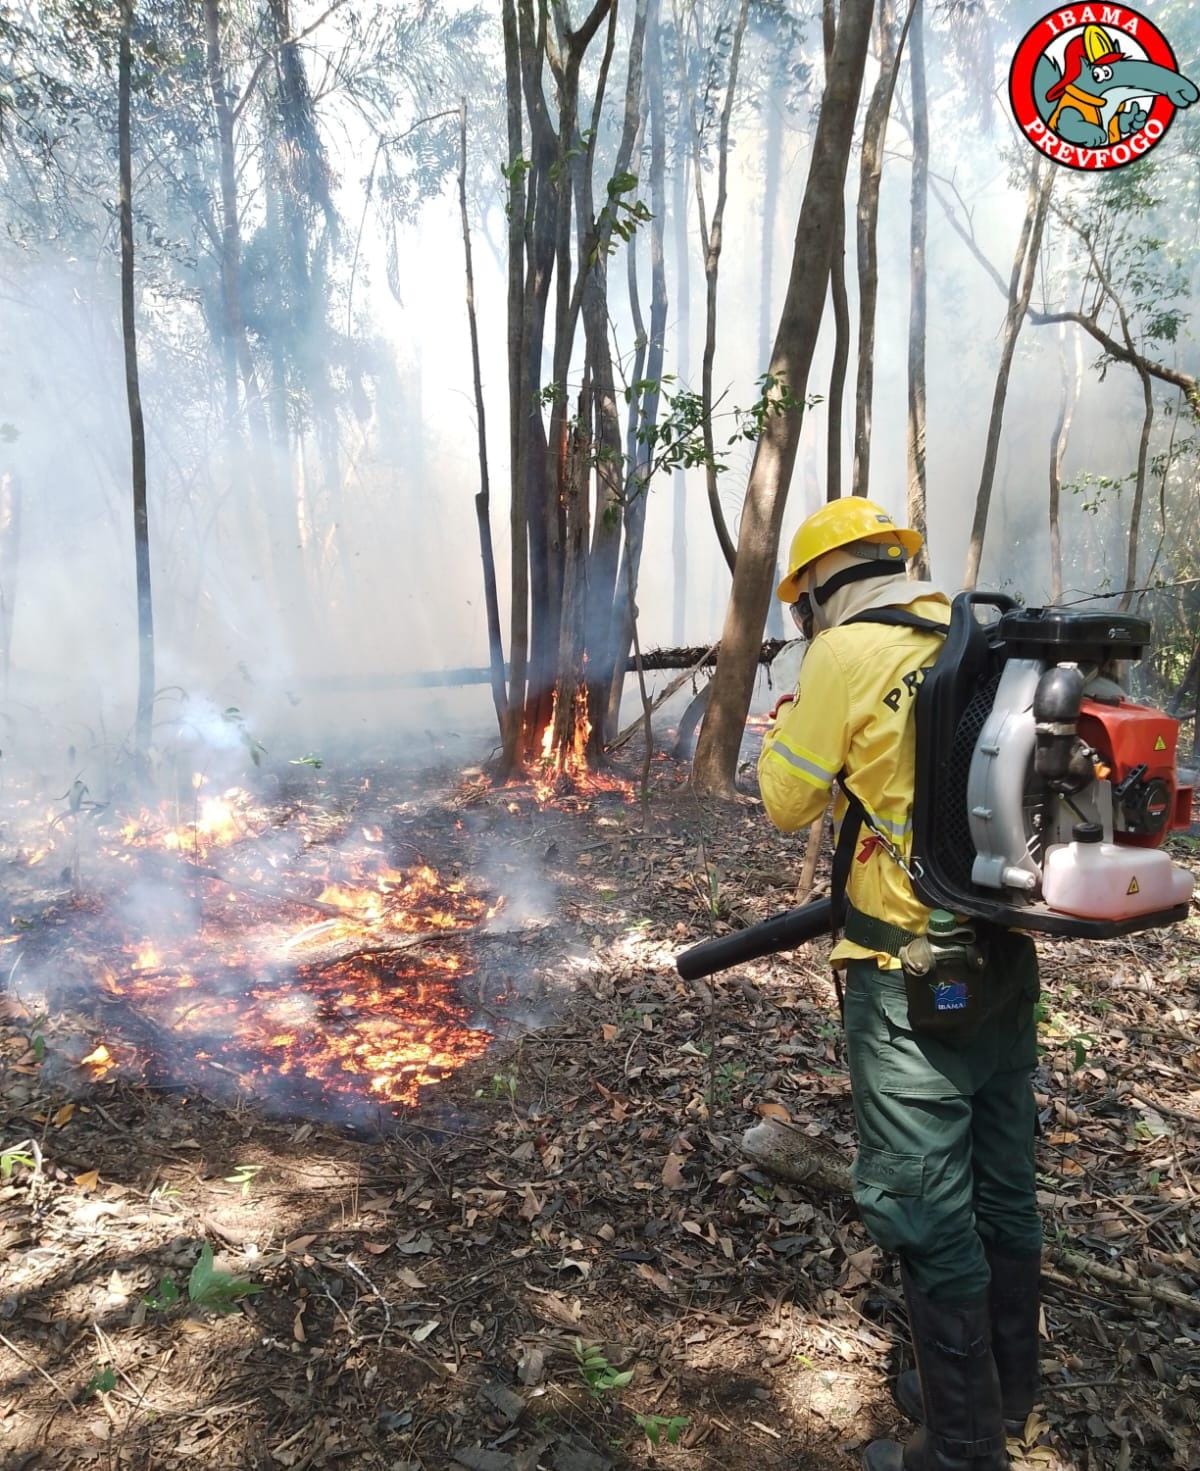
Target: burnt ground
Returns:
[[561, 1256]]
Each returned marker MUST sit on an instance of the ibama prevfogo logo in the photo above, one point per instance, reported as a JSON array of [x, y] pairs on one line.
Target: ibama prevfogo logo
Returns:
[[1096, 86]]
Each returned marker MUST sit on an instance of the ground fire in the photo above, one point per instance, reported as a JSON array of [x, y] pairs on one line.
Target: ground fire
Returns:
[[312, 976]]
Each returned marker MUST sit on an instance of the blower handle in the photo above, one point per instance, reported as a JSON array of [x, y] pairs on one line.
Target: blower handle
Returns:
[[781, 932]]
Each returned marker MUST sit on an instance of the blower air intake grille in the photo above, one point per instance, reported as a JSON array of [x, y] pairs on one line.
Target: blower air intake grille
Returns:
[[954, 847]]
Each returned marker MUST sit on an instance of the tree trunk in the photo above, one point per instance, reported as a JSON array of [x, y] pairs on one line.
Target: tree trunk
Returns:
[[919, 566], [1139, 491], [772, 172], [679, 557], [775, 453], [640, 455], [841, 313], [483, 495], [891, 45], [519, 537], [1058, 450], [137, 428], [711, 236], [1019, 291], [10, 561]]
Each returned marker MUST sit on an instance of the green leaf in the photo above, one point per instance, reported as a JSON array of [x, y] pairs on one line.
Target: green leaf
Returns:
[[621, 184], [218, 1291], [102, 1382], [166, 1296]]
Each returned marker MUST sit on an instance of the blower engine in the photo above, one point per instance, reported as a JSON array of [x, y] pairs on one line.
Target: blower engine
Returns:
[[1043, 792]]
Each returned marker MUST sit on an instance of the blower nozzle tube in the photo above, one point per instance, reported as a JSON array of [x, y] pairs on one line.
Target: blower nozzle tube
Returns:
[[781, 932]]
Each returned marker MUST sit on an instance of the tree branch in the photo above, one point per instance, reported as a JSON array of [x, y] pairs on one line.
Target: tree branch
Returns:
[[1119, 352], [266, 57]]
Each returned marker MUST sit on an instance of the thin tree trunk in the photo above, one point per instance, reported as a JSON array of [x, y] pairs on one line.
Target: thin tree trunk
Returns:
[[772, 172], [1139, 491], [483, 496], [711, 237], [10, 561], [891, 46], [841, 314], [646, 403], [679, 557], [518, 410], [1058, 449], [775, 453], [919, 566], [137, 428], [1020, 289]]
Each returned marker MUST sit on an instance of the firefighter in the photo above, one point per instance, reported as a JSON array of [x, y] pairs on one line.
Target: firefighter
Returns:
[[944, 1174]]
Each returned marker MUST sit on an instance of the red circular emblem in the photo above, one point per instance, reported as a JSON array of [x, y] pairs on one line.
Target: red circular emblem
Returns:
[[1096, 86]]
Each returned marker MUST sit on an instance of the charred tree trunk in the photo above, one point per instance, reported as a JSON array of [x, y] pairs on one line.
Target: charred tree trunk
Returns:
[[891, 45], [1058, 450], [841, 312], [775, 453], [137, 428], [518, 412], [917, 298], [570, 706], [1019, 291], [483, 495]]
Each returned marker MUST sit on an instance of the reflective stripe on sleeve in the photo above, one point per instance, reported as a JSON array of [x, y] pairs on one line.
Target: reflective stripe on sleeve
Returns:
[[805, 767]]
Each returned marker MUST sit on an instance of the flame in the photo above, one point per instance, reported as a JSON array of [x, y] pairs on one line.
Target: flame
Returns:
[[564, 774], [100, 1060], [263, 1001], [216, 823]]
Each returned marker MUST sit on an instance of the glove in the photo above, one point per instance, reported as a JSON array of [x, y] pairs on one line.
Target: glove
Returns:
[[779, 704]]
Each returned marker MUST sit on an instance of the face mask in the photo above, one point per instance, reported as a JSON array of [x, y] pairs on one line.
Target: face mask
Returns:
[[802, 615]]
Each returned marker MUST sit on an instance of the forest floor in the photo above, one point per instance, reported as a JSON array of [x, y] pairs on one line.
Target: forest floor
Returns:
[[560, 1258]]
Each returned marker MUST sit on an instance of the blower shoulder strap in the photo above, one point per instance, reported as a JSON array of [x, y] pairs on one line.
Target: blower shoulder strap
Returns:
[[856, 814], [899, 618]]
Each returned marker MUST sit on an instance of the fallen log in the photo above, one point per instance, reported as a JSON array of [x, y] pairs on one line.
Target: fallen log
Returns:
[[784, 1150], [697, 656]]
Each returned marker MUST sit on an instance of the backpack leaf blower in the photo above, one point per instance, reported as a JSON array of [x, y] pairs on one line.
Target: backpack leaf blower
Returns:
[[1043, 791]]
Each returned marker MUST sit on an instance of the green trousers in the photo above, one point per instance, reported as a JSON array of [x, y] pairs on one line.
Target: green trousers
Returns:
[[945, 1160]]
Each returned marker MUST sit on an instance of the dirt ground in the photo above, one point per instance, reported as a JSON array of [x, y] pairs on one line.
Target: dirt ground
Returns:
[[560, 1258]]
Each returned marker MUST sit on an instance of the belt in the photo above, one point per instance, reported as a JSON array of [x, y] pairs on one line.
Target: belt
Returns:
[[875, 934]]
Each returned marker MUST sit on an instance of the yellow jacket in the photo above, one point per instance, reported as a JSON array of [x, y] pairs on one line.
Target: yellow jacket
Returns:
[[854, 712]]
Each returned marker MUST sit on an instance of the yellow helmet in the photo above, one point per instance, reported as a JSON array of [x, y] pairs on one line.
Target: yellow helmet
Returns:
[[1098, 45], [837, 524]]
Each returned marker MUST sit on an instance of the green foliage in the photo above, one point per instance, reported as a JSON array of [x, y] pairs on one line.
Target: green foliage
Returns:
[[619, 217], [102, 1382], [220, 1292], [654, 1427], [165, 1297], [596, 1372], [504, 1085], [245, 1176], [309, 760], [11, 1158], [254, 747]]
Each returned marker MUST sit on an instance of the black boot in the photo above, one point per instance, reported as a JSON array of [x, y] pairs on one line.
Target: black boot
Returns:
[[962, 1429], [1015, 1302]]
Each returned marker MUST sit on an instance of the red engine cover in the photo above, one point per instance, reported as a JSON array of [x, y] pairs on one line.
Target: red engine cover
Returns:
[[1129, 735]]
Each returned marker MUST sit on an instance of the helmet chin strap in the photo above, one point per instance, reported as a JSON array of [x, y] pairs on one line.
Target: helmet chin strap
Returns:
[[875, 567]]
